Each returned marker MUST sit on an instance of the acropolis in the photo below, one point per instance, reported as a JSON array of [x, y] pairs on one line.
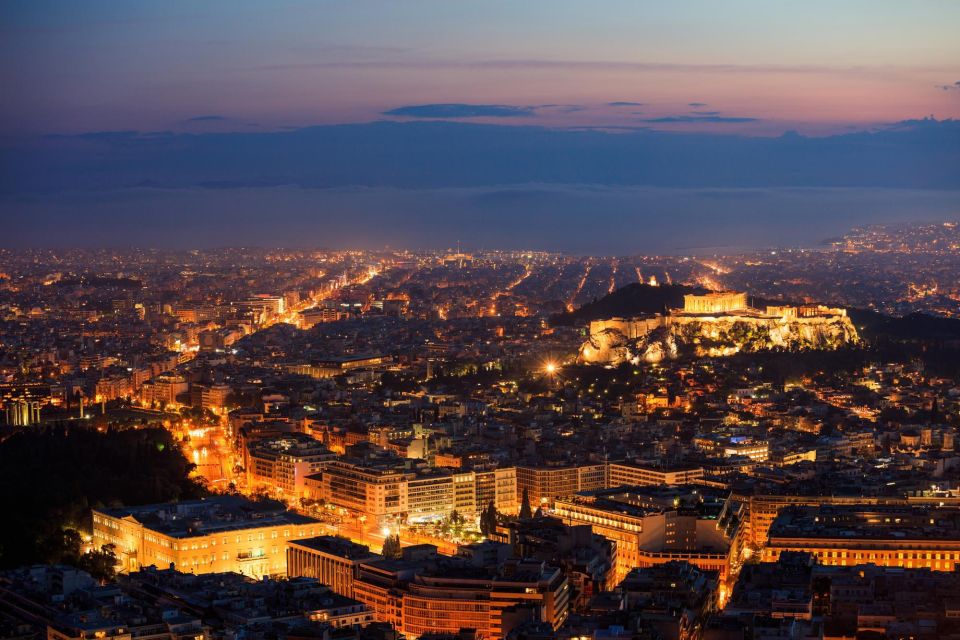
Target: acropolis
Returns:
[[716, 324]]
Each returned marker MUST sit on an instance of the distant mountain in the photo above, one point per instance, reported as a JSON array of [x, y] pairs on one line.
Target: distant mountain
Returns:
[[922, 154], [630, 301]]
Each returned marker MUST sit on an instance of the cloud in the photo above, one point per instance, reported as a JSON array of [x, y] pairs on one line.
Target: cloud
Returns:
[[702, 118], [706, 113], [623, 103], [697, 105], [949, 87], [562, 108], [206, 119], [459, 110]]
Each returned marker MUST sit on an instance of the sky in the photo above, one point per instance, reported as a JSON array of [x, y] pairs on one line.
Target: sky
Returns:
[[105, 96]]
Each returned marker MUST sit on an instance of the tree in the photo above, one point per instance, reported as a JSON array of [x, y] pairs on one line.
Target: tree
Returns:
[[525, 511], [488, 520], [102, 564], [391, 547], [83, 468]]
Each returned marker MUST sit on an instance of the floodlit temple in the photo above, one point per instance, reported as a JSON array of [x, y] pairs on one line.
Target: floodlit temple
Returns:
[[716, 324], [718, 302]]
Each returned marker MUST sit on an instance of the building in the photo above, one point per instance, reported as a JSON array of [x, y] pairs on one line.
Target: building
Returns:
[[672, 599], [586, 558], [332, 367], [722, 319], [733, 446], [65, 603], [309, 318], [395, 489], [638, 475], [22, 412], [652, 526], [717, 302], [888, 536], [445, 596], [283, 463], [234, 601], [221, 533], [333, 561], [375, 491], [215, 397], [545, 484], [113, 387], [763, 509], [163, 390]]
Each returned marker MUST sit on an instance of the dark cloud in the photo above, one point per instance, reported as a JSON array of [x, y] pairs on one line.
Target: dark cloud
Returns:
[[206, 119], [949, 87], [459, 110], [621, 103], [701, 118], [562, 108], [706, 113], [697, 105]]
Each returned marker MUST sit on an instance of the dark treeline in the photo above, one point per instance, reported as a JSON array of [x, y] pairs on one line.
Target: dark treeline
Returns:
[[51, 477]]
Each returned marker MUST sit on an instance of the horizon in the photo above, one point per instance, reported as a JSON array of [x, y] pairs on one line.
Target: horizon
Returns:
[[360, 124]]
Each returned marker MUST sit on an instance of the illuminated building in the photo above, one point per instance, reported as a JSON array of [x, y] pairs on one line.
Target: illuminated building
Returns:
[[733, 446], [646, 531], [113, 387], [318, 315], [544, 484], [332, 367], [375, 491], [334, 561], [284, 462], [723, 319], [163, 390], [498, 486], [889, 536], [444, 597], [384, 492], [634, 475], [22, 412], [762, 510], [221, 533], [713, 303], [215, 396]]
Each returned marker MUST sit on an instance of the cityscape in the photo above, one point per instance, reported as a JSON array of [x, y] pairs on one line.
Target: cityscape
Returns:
[[416, 430], [545, 364]]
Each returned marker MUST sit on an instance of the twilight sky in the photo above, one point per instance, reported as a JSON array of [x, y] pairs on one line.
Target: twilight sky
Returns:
[[383, 110], [762, 67]]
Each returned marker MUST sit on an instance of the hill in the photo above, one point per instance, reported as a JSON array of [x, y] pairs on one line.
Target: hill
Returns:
[[636, 300], [630, 301]]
